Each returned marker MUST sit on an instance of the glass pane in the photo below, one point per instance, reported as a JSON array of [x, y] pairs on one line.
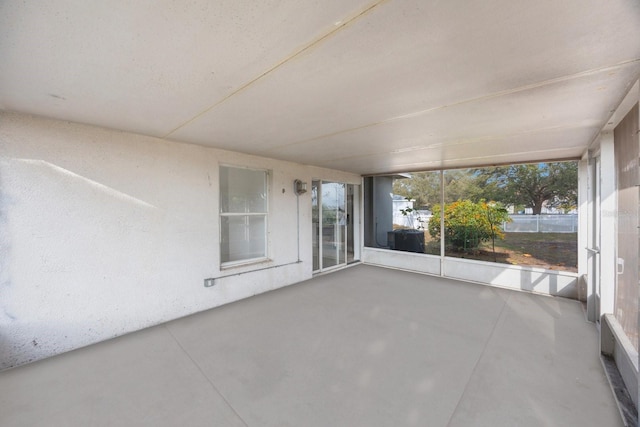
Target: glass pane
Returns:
[[414, 198], [243, 190], [243, 237], [333, 224], [517, 214]]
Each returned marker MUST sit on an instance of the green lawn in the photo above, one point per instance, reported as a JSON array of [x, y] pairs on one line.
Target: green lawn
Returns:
[[557, 251]]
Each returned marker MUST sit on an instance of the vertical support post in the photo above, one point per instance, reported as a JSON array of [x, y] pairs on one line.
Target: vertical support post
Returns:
[[608, 207], [442, 242], [583, 226]]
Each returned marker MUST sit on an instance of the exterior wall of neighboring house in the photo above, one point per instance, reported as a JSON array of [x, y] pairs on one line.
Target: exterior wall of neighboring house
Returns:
[[399, 204], [105, 232], [415, 219]]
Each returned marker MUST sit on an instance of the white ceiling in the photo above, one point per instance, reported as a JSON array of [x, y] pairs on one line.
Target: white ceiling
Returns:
[[362, 86]]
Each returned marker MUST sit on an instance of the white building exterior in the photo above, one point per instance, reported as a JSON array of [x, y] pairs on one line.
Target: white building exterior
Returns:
[[115, 118], [107, 232]]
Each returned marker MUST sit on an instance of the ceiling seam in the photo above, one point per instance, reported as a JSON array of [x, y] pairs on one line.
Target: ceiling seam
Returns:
[[381, 153], [442, 164], [467, 101], [294, 55], [526, 87], [495, 156], [458, 143]]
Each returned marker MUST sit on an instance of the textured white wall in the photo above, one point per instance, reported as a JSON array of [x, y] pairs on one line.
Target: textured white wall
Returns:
[[531, 279], [411, 261], [104, 232]]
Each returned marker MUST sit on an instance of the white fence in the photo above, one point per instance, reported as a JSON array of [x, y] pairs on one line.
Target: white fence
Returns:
[[542, 224], [547, 223]]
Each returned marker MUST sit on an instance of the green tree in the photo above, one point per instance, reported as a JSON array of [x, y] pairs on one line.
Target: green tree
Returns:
[[463, 184], [532, 185], [467, 224], [496, 214], [423, 187]]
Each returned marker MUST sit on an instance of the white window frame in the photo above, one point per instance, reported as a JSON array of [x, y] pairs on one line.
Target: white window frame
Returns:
[[232, 214]]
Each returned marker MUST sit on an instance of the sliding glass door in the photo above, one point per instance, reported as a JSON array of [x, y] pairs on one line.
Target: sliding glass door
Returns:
[[332, 224]]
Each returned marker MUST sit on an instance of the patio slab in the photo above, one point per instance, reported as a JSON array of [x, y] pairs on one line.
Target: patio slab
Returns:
[[364, 346]]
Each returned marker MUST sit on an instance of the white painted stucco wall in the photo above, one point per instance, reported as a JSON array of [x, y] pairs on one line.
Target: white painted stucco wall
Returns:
[[402, 260], [105, 232], [529, 279], [522, 278]]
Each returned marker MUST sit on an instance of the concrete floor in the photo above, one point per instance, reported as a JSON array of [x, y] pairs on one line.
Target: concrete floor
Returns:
[[364, 346]]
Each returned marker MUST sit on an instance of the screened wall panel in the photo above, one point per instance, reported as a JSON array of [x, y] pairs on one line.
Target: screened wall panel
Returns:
[[627, 141]]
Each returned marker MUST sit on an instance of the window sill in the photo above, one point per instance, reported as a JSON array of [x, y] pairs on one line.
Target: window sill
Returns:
[[244, 263]]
